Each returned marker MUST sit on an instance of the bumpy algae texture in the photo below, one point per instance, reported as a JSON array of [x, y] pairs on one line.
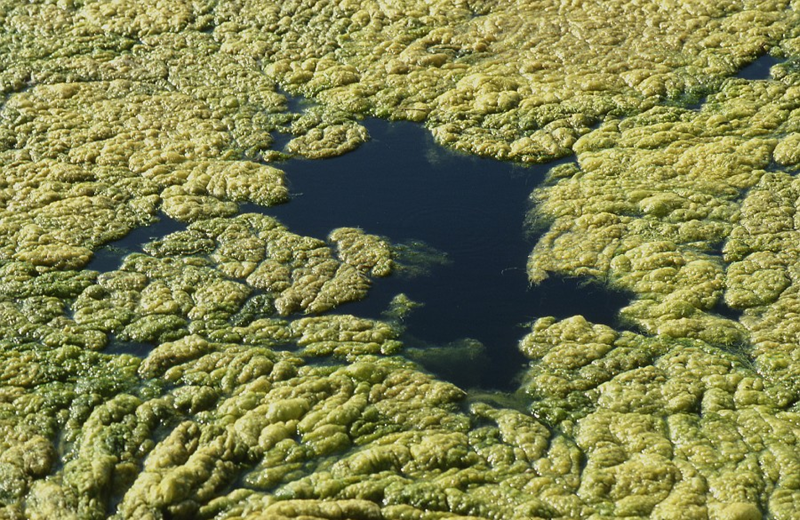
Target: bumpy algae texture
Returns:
[[670, 429], [509, 79], [217, 374], [685, 209]]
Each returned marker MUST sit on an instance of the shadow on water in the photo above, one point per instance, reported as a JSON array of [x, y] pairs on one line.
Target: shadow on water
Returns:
[[721, 308], [402, 186], [725, 311]]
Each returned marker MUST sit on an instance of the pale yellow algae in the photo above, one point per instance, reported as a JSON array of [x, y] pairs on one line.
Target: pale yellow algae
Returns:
[[509, 79], [669, 429], [207, 377], [654, 198]]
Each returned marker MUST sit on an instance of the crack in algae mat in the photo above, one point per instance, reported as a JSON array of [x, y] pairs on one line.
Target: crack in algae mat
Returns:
[[177, 342]]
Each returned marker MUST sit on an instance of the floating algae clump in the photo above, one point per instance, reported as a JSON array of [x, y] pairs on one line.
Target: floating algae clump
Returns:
[[668, 428], [685, 210], [322, 132], [516, 80], [300, 273], [248, 397]]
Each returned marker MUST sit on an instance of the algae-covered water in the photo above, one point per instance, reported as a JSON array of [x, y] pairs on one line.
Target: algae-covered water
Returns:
[[465, 213], [561, 283]]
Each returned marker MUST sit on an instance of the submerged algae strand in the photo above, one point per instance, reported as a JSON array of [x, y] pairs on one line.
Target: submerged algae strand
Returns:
[[114, 111]]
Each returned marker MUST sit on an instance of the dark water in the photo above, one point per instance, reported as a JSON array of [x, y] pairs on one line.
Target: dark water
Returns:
[[727, 312], [109, 257], [402, 186], [758, 69], [117, 346]]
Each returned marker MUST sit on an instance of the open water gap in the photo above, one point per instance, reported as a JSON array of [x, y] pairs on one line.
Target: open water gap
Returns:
[[403, 186]]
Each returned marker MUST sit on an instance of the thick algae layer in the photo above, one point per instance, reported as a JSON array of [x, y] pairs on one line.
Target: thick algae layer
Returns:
[[669, 429], [510, 79], [254, 400], [684, 209]]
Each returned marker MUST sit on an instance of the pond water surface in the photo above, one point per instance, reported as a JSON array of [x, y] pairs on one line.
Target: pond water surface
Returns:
[[403, 186]]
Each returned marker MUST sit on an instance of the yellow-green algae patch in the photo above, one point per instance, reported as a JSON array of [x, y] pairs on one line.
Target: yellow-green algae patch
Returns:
[[240, 408], [92, 161], [509, 79], [669, 429], [512, 80], [684, 209]]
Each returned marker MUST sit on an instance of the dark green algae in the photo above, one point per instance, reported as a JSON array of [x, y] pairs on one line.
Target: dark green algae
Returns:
[[114, 111]]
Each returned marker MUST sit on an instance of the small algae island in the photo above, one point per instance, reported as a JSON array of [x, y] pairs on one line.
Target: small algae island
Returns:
[[218, 372]]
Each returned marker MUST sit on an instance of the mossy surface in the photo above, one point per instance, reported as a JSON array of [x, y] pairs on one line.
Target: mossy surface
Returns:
[[254, 395]]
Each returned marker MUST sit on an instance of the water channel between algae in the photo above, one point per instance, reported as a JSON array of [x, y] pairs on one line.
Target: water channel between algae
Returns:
[[235, 367]]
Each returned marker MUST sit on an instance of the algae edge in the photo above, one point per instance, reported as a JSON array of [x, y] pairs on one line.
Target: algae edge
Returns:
[[114, 111]]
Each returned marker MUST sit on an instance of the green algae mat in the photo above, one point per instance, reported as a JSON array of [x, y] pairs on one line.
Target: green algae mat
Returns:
[[216, 373]]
